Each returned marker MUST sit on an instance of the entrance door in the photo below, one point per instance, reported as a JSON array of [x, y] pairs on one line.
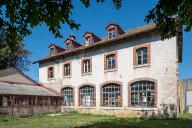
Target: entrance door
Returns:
[[189, 100]]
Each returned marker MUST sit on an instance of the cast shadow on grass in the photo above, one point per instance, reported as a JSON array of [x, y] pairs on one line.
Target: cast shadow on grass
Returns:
[[141, 123]]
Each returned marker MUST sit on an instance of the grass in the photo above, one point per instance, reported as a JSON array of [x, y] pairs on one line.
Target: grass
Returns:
[[76, 120]]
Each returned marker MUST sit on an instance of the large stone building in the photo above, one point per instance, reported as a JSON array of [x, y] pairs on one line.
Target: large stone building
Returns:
[[126, 73]]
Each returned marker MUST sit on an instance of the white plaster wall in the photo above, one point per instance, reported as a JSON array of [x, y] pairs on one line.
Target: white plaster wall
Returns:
[[163, 68]]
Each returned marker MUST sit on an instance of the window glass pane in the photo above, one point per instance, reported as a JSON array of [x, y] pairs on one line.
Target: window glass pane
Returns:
[[67, 94], [111, 61], [142, 94], [111, 96], [141, 56], [86, 96]]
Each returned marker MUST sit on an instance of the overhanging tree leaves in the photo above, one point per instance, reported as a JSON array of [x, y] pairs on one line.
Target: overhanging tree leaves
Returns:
[[169, 15], [18, 17]]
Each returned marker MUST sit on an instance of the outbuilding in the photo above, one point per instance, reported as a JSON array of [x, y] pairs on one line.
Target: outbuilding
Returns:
[[22, 96]]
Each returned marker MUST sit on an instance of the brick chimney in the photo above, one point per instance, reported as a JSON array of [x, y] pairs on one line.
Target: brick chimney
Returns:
[[72, 36]]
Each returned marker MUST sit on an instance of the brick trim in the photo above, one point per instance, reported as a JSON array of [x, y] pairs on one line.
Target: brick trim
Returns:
[[87, 84], [70, 64], [116, 59], [148, 53], [82, 66], [111, 82], [142, 79]]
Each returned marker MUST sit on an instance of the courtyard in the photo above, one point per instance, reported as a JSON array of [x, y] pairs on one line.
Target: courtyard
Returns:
[[76, 120]]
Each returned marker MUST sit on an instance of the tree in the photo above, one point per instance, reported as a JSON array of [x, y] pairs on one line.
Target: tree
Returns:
[[13, 54], [169, 15], [18, 17]]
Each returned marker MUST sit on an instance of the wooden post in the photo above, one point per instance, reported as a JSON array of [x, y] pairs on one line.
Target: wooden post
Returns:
[[180, 96]]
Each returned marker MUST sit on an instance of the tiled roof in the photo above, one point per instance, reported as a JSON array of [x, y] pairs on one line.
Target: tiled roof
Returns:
[[128, 34], [23, 89]]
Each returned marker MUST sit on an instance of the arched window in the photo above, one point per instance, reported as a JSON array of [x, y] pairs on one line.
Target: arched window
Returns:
[[86, 96], [111, 95], [67, 94], [143, 94]]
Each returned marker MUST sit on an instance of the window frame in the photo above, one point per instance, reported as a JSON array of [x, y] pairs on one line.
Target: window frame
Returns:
[[48, 73], [141, 80], [69, 46], [106, 66], [113, 33], [135, 57], [83, 67], [120, 101], [71, 94], [70, 69], [94, 95], [89, 42]]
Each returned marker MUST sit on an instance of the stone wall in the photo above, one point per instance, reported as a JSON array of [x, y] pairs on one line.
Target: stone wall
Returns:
[[28, 111]]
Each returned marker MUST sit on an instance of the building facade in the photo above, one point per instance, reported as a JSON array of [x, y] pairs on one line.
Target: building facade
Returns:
[[132, 73]]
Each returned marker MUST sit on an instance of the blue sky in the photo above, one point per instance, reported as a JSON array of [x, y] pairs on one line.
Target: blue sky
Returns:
[[94, 19]]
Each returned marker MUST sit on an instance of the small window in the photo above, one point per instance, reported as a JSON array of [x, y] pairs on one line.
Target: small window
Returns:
[[50, 72], [67, 69], [141, 56], [68, 46], [67, 94], [52, 51], [143, 94], [86, 66], [86, 94], [111, 33], [87, 41], [111, 61]]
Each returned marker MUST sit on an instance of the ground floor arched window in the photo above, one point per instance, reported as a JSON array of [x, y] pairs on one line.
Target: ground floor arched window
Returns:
[[86, 96], [111, 95], [143, 94], [68, 96]]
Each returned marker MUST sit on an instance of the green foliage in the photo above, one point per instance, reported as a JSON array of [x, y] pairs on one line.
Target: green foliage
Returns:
[[13, 54], [169, 15], [76, 120]]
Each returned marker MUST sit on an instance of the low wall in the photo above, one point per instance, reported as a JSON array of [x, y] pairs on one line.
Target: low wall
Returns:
[[28, 111], [125, 112]]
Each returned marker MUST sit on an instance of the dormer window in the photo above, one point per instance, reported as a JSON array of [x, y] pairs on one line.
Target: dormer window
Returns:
[[87, 41], [68, 46], [111, 33], [52, 51]]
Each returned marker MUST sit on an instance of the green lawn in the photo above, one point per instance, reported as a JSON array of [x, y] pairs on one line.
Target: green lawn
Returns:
[[76, 120]]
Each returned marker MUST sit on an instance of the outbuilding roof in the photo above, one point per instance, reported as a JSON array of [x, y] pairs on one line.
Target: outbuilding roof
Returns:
[[7, 88]]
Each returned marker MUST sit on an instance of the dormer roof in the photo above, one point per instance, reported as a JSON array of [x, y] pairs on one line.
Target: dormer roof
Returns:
[[75, 43], [115, 25], [95, 38]]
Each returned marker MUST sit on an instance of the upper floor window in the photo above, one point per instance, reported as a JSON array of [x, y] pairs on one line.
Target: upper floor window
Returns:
[[141, 55], [110, 61], [50, 72], [87, 96], [111, 33], [87, 41], [143, 94], [67, 94], [86, 66], [67, 69], [52, 51], [68, 46]]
